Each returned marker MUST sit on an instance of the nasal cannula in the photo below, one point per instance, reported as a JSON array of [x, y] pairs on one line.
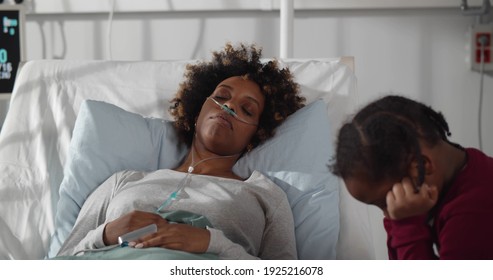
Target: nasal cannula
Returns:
[[229, 111]]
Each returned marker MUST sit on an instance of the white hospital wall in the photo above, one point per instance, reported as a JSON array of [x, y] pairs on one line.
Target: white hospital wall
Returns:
[[420, 53]]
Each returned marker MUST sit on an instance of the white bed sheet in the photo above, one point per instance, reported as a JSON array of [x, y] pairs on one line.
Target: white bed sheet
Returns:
[[37, 131]]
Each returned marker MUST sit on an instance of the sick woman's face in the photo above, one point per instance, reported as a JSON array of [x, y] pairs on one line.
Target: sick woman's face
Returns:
[[217, 129]]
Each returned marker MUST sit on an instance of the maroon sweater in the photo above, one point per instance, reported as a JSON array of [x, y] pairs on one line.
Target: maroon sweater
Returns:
[[462, 226]]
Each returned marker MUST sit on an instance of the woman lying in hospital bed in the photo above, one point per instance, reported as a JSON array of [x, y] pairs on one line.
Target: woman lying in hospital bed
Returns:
[[224, 109]]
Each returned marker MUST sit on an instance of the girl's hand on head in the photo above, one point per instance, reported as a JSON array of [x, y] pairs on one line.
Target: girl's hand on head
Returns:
[[403, 201]]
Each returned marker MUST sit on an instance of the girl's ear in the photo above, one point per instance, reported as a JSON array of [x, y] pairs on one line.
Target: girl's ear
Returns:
[[414, 169]]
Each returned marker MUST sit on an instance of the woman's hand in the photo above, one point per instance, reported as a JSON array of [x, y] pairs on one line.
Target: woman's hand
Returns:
[[130, 222], [172, 236], [403, 201], [177, 237]]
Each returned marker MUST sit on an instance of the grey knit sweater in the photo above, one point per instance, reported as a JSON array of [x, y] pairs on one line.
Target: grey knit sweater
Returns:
[[251, 219]]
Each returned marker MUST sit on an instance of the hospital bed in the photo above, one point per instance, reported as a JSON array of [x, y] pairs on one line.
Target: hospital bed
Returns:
[[69, 122]]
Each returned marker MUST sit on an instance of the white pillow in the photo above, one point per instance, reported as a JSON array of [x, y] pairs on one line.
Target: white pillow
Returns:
[[107, 139]]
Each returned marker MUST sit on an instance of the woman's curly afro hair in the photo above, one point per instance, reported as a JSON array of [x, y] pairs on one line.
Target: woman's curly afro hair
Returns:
[[278, 86]]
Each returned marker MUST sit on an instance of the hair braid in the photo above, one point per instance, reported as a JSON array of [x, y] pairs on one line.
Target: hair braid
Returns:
[[388, 139]]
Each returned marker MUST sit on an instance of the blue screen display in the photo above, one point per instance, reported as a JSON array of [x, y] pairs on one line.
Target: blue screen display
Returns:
[[10, 49]]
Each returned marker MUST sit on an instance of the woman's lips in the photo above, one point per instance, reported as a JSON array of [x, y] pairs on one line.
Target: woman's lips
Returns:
[[223, 119]]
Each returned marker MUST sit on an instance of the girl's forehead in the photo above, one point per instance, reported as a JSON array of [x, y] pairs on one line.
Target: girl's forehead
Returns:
[[366, 191]]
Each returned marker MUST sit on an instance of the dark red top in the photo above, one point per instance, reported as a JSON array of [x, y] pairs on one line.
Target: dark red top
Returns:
[[462, 226]]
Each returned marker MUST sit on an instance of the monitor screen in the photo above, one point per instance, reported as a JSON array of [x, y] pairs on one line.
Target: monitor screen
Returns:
[[11, 21]]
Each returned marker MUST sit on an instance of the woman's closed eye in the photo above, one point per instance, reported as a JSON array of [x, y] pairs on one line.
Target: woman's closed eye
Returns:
[[220, 97], [247, 111]]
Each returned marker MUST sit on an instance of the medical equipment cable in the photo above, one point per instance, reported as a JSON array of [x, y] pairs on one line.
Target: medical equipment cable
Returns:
[[175, 195], [483, 40], [109, 29], [107, 248]]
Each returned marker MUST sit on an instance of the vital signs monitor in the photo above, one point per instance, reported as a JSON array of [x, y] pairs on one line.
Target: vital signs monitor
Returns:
[[11, 44]]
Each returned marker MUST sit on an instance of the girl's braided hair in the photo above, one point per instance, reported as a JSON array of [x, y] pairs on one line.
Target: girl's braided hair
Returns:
[[383, 138]]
